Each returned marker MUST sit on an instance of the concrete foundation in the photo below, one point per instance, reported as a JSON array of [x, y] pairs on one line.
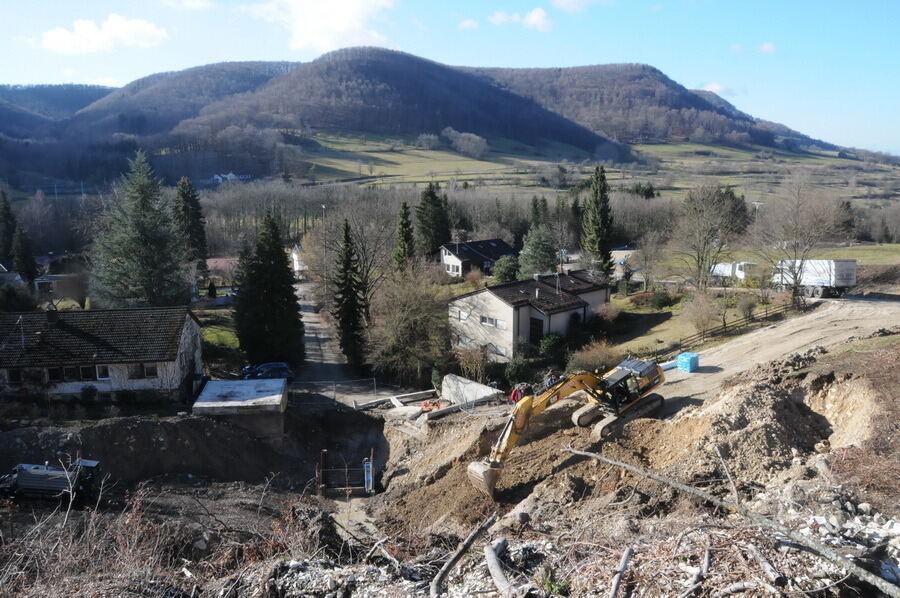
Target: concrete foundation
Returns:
[[258, 406]]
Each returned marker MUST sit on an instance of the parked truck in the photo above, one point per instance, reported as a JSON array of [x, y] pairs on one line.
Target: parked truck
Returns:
[[48, 481], [731, 273], [816, 278]]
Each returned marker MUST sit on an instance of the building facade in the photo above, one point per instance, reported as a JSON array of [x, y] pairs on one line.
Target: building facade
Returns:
[[458, 259], [107, 354], [502, 318]]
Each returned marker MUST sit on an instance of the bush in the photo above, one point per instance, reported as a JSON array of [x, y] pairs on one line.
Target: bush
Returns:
[[596, 356], [551, 345], [88, 394], [473, 277], [641, 300], [662, 299], [702, 312], [609, 313], [517, 370], [746, 305]]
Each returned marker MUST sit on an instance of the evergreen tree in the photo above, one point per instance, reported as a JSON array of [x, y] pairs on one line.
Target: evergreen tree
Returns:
[[348, 301], [577, 216], [736, 208], [884, 235], [845, 219], [406, 248], [596, 224], [432, 220], [7, 226], [539, 211], [538, 253], [23, 256], [506, 269], [138, 256], [187, 216], [266, 312]]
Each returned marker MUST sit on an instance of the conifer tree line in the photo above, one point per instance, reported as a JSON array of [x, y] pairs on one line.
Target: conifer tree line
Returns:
[[15, 244]]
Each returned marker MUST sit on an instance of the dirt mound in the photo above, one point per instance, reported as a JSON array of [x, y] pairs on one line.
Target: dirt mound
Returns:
[[134, 448]]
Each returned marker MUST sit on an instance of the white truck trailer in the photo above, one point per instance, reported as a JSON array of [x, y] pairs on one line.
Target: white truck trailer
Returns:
[[816, 278], [731, 272]]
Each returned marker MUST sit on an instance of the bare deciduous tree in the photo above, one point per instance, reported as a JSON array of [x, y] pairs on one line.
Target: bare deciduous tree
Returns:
[[648, 256], [704, 230], [788, 231]]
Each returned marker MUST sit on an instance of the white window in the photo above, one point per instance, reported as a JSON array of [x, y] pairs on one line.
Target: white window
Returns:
[[501, 324], [463, 315], [488, 321], [102, 372]]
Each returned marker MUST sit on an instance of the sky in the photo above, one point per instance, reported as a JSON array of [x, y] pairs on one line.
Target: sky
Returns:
[[830, 69]]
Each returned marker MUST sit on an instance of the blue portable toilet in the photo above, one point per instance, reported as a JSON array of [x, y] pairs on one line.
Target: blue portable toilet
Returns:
[[688, 362]]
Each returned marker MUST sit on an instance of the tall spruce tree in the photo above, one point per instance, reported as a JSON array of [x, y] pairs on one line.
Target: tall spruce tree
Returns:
[[22, 255], [432, 220], [266, 312], [596, 224], [7, 226], [187, 216], [138, 256], [348, 300], [406, 248], [538, 253]]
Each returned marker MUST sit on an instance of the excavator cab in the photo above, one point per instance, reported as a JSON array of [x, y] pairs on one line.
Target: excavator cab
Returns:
[[625, 392]]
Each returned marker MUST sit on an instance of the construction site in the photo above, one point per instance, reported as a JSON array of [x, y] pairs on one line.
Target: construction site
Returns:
[[767, 467]]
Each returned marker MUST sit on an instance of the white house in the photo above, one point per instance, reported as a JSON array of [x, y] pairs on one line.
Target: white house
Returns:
[[104, 352], [503, 317], [297, 264], [457, 259]]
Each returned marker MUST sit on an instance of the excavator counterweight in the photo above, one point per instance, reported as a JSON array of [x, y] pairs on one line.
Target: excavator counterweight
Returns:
[[623, 393]]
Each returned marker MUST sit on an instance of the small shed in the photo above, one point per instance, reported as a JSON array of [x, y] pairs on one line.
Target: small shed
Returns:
[[255, 405]]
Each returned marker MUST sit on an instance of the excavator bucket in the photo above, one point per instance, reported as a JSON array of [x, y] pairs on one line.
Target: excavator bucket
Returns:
[[483, 476]]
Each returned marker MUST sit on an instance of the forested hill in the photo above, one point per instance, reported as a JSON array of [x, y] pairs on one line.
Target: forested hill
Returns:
[[156, 103], [52, 101], [636, 103], [385, 92]]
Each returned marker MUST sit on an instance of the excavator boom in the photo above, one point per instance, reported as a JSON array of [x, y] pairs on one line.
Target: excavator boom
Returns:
[[622, 389]]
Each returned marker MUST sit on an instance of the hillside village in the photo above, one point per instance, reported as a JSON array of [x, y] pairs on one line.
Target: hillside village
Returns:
[[309, 329]]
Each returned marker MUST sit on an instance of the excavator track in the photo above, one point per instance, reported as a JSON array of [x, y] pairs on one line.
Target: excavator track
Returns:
[[608, 425]]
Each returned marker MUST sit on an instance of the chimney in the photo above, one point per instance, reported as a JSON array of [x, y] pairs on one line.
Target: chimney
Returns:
[[537, 276], [537, 293], [52, 316]]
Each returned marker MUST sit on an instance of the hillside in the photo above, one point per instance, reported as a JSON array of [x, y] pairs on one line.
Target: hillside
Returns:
[[384, 92], [637, 103], [156, 103], [52, 101]]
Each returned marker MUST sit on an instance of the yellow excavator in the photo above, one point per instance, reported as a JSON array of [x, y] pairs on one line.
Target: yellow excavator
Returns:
[[622, 394]]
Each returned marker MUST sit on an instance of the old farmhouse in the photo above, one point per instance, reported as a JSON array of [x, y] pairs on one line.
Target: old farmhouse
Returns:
[[108, 354], [458, 259], [505, 316]]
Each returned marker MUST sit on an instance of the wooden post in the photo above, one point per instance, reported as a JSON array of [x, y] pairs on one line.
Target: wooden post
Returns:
[[620, 572]]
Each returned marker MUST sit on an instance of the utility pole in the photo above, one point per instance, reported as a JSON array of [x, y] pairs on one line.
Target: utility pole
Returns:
[[325, 251]]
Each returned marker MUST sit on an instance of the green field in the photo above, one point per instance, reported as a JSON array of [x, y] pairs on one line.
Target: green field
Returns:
[[865, 255]]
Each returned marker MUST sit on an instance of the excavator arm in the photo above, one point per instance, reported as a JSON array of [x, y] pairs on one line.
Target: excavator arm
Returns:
[[484, 474], [625, 391]]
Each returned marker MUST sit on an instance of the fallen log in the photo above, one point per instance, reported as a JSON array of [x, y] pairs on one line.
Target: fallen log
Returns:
[[777, 579], [620, 572], [435, 589], [492, 554], [821, 549]]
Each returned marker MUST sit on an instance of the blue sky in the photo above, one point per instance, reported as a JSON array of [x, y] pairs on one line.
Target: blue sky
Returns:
[[828, 69]]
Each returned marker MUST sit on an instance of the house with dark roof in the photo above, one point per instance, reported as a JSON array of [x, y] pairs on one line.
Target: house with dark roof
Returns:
[[458, 259], [504, 317], [107, 353]]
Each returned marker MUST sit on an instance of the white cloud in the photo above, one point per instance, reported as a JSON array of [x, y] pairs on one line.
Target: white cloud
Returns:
[[87, 37], [736, 48], [324, 26], [537, 19], [767, 48], [570, 5], [189, 4], [504, 18], [468, 24], [714, 87]]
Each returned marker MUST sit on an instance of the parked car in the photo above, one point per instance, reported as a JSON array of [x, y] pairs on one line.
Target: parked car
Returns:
[[251, 369], [272, 373]]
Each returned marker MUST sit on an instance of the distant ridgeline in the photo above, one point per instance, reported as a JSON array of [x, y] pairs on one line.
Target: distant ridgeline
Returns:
[[242, 116]]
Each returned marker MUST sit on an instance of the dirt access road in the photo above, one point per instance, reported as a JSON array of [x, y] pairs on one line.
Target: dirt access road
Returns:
[[829, 324]]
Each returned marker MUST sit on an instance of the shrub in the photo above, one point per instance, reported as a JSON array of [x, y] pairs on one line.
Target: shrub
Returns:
[[473, 277], [473, 363], [746, 305], [641, 300], [609, 313], [702, 312], [517, 370], [551, 345], [88, 394], [662, 299], [596, 356]]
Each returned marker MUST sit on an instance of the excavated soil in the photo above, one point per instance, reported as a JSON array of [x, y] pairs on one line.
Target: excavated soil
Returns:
[[759, 422]]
